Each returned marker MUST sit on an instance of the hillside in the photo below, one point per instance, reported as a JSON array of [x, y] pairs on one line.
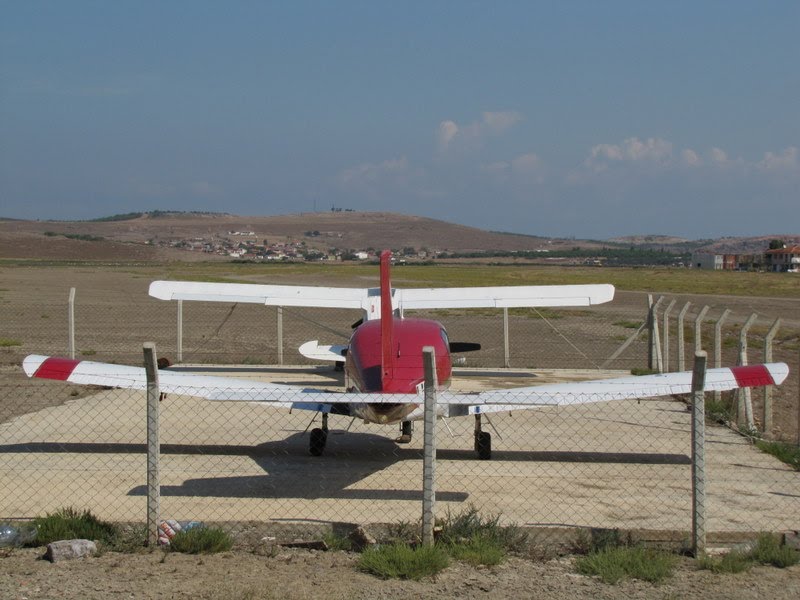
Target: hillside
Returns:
[[165, 236], [139, 237]]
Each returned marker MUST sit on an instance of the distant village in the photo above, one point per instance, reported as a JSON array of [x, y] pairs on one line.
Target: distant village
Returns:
[[248, 246], [779, 258]]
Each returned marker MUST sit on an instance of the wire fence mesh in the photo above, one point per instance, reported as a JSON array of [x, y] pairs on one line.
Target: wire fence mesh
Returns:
[[611, 464]]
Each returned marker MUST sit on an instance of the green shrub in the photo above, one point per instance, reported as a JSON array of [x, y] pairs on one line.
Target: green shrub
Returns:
[[8, 342], [784, 452], [478, 550], [69, 523], [400, 561], [769, 551], [732, 562], [616, 563], [469, 524], [201, 540]]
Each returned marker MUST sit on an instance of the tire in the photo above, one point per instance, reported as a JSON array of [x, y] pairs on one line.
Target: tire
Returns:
[[316, 445], [483, 445]]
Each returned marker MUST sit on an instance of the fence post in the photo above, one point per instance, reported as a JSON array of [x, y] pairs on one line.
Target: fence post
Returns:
[[654, 347], [153, 450], [744, 404], [429, 456], [280, 335], [665, 342], [698, 337], [71, 323], [718, 346], [179, 352], [698, 454], [766, 421], [681, 335], [506, 347]]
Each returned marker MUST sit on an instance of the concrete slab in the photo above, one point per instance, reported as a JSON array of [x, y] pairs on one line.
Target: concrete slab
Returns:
[[616, 464]]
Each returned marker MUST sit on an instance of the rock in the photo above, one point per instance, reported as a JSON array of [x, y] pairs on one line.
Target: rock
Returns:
[[312, 545], [69, 549], [361, 539]]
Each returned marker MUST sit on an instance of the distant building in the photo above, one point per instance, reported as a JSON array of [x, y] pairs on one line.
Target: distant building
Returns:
[[707, 260], [783, 260], [723, 262]]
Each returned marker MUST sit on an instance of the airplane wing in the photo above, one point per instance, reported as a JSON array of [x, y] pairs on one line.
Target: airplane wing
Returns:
[[510, 296], [368, 299], [270, 295], [559, 394]]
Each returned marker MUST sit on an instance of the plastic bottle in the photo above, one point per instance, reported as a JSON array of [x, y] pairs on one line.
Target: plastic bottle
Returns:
[[8, 535]]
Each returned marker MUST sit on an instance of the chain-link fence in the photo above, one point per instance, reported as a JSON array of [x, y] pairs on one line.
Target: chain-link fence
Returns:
[[609, 464]]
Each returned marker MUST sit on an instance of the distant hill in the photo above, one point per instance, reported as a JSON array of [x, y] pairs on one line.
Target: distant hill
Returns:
[[747, 245], [149, 235]]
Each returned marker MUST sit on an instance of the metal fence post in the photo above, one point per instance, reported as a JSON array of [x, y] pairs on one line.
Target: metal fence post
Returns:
[[665, 341], [654, 347], [280, 335], [71, 323], [179, 352], [429, 456], [698, 336], [506, 350], [681, 348], [698, 454], [744, 404], [766, 421], [718, 346], [153, 449]]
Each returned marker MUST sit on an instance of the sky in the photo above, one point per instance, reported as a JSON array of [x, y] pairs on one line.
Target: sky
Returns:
[[566, 118]]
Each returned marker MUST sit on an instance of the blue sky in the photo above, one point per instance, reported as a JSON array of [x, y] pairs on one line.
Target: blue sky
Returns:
[[585, 119]]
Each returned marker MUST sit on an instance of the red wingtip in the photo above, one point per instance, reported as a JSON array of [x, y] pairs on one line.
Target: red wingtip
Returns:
[[387, 342]]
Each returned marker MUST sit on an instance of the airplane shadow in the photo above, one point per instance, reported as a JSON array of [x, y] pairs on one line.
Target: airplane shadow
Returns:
[[290, 472]]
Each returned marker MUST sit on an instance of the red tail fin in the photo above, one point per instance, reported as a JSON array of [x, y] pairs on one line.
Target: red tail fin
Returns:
[[387, 325]]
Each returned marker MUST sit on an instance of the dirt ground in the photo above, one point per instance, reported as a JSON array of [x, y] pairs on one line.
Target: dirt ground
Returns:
[[291, 574]]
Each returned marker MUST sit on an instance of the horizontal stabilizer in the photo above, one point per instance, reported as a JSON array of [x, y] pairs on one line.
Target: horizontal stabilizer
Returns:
[[314, 351]]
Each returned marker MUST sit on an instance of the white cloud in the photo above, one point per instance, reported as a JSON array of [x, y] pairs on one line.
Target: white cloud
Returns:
[[526, 163], [787, 160], [691, 158], [449, 133], [719, 156], [634, 149]]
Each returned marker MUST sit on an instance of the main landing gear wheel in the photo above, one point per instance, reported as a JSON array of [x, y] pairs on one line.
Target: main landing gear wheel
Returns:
[[406, 431], [483, 445], [483, 441], [319, 436], [317, 444]]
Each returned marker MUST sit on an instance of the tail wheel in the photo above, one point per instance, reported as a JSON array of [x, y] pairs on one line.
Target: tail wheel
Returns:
[[483, 445], [317, 444]]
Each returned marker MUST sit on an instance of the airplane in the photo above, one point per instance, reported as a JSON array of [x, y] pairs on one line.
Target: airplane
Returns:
[[383, 360]]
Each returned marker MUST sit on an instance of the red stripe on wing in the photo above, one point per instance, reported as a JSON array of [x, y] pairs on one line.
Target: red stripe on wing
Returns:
[[56, 368], [752, 376]]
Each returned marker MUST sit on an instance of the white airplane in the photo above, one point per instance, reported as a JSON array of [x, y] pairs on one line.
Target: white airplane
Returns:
[[384, 360]]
